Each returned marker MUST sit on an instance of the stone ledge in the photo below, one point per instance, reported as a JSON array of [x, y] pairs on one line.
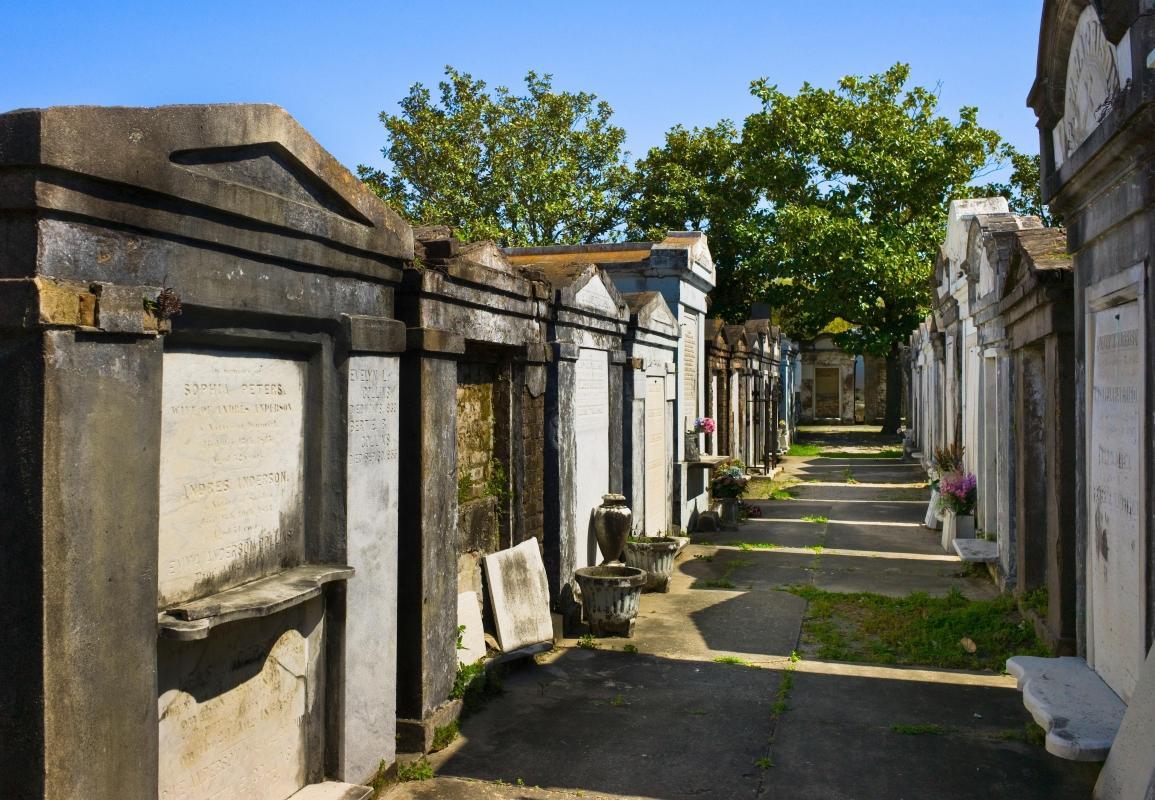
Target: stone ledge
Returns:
[[706, 462], [1080, 713], [977, 551], [259, 598], [332, 790]]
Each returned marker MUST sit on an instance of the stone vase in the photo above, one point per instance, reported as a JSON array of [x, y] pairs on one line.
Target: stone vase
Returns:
[[730, 514], [655, 555], [610, 598], [933, 519], [956, 526], [613, 521]]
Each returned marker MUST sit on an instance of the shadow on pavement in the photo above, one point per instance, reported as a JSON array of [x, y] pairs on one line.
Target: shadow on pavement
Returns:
[[623, 724]]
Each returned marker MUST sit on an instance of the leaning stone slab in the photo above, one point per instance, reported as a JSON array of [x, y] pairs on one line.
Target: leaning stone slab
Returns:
[[1130, 769], [472, 646], [977, 551], [519, 594], [1079, 712]]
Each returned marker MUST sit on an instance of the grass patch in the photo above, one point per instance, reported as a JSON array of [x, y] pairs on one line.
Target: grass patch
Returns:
[[921, 730], [719, 583], [629, 648], [916, 630], [848, 476], [732, 660], [1036, 600], [889, 452], [588, 642], [444, 735], [474, 685], [815, 518], [804, 450], [761, 488], [419, 770]]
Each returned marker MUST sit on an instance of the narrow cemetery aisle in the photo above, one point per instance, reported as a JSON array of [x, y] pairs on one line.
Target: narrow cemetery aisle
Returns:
[[819, 651]]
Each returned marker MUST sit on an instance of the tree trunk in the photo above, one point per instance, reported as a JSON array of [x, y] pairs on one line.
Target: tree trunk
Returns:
[[893, 416]]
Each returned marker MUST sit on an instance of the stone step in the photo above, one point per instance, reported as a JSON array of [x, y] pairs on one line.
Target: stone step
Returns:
[[332, 790], [977, 551], [1079, 712]]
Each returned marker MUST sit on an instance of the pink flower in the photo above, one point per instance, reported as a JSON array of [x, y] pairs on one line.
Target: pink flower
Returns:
[[704, 425]]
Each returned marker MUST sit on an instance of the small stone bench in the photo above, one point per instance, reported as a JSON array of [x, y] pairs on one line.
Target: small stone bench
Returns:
[[1079, 712], [977, 551]]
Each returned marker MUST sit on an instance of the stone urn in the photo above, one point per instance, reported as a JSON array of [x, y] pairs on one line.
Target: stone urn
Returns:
[[610, 597], [655, 555], [612, 523], [730, 515], [933, 519]]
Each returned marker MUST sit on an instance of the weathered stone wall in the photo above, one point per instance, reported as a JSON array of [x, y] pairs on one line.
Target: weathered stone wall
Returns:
[[531, 496], [874, 388]]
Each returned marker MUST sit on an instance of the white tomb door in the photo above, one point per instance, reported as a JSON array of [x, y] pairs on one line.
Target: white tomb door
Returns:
[[1115, 442], [592, 456], [656, 472]]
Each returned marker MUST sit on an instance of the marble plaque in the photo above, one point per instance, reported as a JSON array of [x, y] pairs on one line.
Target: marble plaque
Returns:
[[371, 521], [233, 709], [1114, 515], [519, 596], [689, 404], [472, 647], [231, 470], [655, 458], [592, 457]]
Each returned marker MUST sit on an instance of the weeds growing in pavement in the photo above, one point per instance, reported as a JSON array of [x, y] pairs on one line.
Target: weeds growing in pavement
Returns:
[[916, 629]]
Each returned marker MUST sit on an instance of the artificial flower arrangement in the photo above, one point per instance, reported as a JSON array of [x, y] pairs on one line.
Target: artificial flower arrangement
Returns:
[[958, 492], [704, 425], [729, 479], [946, 460]]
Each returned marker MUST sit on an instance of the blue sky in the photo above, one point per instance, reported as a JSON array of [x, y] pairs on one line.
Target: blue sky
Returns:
[[336, 65]]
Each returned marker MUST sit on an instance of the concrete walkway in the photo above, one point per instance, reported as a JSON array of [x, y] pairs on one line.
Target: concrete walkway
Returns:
[[677, 720]]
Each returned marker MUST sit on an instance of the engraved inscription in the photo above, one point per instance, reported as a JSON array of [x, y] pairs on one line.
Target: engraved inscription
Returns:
[[655, 457], [231, 467], [233, 713], [372, 406], [690, 366], [1116, 436], [592, 453], [1092, 82]]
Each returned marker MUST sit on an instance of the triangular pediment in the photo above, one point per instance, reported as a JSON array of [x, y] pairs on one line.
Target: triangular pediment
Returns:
[[595, 296], [267, 167]]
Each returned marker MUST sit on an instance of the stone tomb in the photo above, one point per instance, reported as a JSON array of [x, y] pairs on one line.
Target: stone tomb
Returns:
[[1093, 98], [681, 269], [474, 403], [650, 388], [584, 395], [200, 585]]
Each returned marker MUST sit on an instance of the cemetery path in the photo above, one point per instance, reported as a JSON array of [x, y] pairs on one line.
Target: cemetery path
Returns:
[[759, 674]]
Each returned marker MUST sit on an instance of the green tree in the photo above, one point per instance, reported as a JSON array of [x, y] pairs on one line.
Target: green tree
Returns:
[[695, 181], [538, 168], [854, 184], [1023, 187]]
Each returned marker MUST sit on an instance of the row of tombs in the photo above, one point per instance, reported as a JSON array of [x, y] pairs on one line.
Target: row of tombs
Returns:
[[260, 433], [1036, 361]]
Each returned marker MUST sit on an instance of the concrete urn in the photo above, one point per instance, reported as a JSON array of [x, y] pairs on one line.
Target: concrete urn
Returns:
[[655, 555], [610, 598], [612, 522]]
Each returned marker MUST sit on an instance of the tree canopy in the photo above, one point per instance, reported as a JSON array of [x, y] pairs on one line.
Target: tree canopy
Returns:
[[538, 168]]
